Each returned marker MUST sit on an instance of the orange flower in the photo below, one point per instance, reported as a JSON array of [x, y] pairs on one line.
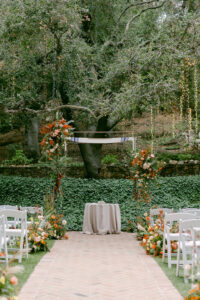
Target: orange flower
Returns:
[[55, 226], [14, 280], [53, 217], [147, 219], [153, 246], [51, 142], [43, 142], [66, 236]]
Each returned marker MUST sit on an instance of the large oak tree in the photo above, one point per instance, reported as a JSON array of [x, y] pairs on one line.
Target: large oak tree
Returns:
[[98, 60]]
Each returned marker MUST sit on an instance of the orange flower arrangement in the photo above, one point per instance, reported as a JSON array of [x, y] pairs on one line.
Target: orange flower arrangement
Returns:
[[55, 135], [56, 225], [151, 236], [143, 169], [194, 294]]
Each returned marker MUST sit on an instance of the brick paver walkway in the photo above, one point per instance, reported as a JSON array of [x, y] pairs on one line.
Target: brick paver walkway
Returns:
[[98, 267]]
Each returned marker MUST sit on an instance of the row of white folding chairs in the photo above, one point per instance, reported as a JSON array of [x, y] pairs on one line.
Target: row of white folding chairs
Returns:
[[8, 235], [188, 248], [29, 209], [169, 236], [185, 243]]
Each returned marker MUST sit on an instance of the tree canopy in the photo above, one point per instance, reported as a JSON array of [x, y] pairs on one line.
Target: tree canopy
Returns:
[[103, 59]]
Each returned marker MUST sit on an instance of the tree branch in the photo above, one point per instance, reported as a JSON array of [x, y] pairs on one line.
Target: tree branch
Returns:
[[137, 16], [49, 110], [134, 4], [110, 42]]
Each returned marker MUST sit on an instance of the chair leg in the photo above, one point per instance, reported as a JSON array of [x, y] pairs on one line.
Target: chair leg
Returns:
[[21, 249], [169, 257], [163, 255], [26, 241], [178, 261]]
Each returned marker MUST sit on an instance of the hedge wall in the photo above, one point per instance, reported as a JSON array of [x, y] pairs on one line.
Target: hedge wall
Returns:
[[176, 192]]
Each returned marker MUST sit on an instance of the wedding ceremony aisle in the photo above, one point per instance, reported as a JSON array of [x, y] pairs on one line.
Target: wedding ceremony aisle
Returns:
[[98, 267]]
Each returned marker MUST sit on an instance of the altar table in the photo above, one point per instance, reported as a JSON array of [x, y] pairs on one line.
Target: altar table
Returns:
[[101, 218]]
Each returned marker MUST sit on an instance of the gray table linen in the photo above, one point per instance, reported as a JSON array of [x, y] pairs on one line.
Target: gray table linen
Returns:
[[101, 218]]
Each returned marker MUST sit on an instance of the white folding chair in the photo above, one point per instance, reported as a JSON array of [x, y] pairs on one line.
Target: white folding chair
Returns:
[[189, 210], [13, 233], [169, 236], [33, 210], [156, 211], [186, 244], [12, 207], [3, 241]]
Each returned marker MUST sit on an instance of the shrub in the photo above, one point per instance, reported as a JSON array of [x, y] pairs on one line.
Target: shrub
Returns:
[[109, 159], [176, 192], [19, 159]]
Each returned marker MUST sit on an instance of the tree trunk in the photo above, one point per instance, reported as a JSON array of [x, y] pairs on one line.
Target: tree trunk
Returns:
[[91, 154], [31, 146]]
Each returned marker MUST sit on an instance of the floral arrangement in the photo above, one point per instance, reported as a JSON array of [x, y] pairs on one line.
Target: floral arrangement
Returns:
[[143, 169], [9, 282], [56, 227], [54, 143], [37, 236], [151, 236], [55, 135], [194, 294]]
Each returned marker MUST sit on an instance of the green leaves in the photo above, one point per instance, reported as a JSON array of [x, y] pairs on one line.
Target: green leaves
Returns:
[[176, 192]]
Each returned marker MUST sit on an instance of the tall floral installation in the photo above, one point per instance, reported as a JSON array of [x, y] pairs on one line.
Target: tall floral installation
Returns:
[[54, 145], [143, 169]]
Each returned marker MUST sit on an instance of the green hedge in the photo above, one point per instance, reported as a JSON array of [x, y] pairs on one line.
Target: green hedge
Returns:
[[176, 192]]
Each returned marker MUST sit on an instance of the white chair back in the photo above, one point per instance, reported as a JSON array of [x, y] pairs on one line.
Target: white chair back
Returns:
[[170, 218], [156, 212], [32, 210], [15, 217], [12, 207], [192, 209]]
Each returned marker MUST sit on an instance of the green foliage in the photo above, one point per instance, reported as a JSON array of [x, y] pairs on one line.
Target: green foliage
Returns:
[[110, 159], [175, 147], [177, 156], [176, 192], [19, 159]]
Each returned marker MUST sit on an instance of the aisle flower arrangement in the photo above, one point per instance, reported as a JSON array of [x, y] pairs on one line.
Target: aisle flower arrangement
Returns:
[[56, 227], [143, 169], [194, 294], [37, 237], [9, 282], [151, 236]]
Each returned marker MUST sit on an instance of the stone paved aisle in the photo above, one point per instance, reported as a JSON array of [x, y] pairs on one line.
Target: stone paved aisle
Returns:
[[96, 267]]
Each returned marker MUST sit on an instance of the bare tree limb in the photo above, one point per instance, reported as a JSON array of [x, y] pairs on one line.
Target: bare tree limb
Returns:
[[137, 16], [49, 110], [108, 43], [134, 4]]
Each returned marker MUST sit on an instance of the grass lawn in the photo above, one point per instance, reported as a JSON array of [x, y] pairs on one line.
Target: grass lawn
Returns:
[[178, 282], [30, 264]]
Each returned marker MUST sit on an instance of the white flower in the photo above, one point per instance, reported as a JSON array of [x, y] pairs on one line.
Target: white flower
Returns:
[[40, 217], [145, 214], [64, 222], [144, 240], [187, 268], [146, 166], [158, 243], [152, 156], [151, 238]]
